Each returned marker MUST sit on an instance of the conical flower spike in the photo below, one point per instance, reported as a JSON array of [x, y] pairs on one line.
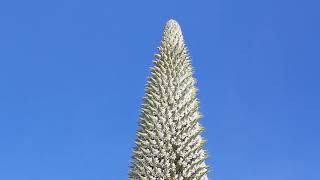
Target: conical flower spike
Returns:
[[169, 145]]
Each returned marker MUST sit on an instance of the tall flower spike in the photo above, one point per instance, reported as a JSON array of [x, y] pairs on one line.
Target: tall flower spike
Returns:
[[169, 145]]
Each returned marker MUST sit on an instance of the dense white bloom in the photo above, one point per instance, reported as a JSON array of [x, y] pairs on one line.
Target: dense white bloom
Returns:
[[169, 145]]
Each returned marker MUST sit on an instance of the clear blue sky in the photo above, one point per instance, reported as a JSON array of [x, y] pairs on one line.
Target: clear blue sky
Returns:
[[72, 78]]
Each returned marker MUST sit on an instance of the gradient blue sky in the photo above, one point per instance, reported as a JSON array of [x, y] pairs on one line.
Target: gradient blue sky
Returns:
[[72, 78]]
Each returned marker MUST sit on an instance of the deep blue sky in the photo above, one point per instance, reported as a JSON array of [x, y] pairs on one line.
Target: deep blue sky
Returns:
[[72, 78]]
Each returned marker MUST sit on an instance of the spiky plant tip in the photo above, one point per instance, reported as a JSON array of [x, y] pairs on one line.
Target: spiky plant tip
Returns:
[[172, 25]]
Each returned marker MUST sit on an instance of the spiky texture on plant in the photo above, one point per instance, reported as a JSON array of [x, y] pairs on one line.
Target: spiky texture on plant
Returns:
[[169, 145]]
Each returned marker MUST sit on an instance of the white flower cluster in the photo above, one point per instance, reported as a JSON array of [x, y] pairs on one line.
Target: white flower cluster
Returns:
[[169, 145]]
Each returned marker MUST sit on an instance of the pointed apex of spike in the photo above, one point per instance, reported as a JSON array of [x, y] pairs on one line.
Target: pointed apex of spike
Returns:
[[172, 22], [172, 35], [172, 25]]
